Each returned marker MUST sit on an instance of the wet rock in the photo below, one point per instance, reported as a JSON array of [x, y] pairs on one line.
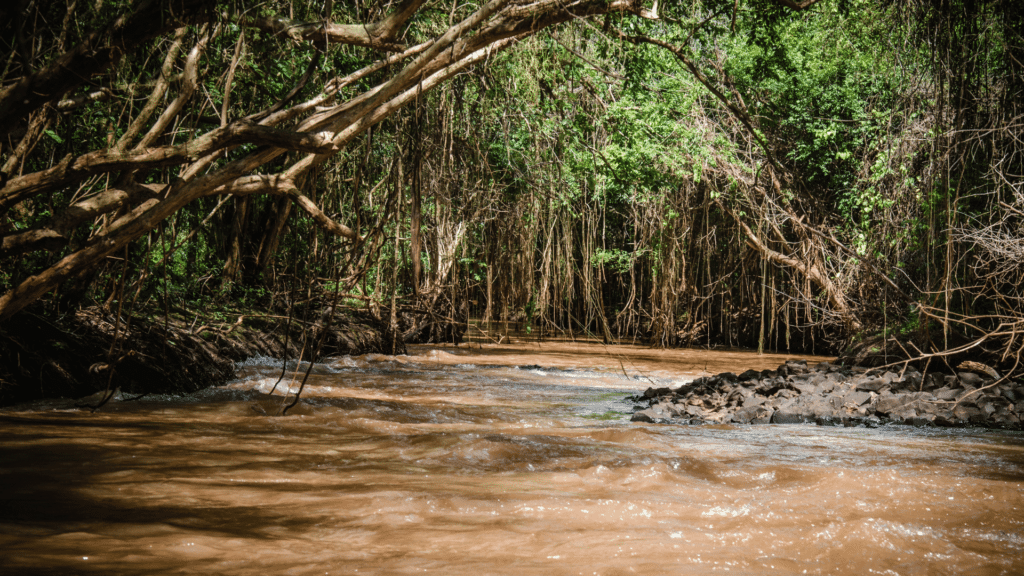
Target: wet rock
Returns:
[[790, 416], [656, 392], [643, 416], [970, 414], [831, 395], [949, 421], [749, 375]]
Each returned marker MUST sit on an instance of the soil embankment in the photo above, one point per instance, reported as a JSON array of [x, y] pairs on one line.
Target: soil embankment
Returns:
[[831, 395], [84, 352]]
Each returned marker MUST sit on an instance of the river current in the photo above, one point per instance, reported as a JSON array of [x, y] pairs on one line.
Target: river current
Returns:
[[493, 460]]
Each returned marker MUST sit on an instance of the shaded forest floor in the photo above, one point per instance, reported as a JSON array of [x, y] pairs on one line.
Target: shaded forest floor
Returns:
[[81, 353]]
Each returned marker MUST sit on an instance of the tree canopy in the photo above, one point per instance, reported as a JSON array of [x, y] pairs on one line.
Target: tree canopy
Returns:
[[761, 173]]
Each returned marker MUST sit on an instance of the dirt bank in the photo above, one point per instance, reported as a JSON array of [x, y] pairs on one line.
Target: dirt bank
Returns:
[[830, 395], [73, 357]]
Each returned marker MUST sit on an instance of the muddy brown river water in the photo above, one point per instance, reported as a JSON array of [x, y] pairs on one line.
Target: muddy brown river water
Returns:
[[496, 460]]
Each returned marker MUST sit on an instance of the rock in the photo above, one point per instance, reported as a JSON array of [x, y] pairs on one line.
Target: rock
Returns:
[[763, 415], [656, 392], [971, 414], [754, 401], [805, 388], [749, 375], [889, 404], [872, 384], [789, 417], [970, 379], [857, 398], [912, 381], [796, 366], [643, 416], [830, 395], [934, 380], [744, 415]]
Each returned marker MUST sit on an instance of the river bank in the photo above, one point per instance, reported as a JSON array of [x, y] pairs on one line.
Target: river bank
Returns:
[[86, 351], [831, 395]]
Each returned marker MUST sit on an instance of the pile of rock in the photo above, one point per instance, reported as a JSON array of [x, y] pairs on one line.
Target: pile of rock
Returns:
[[830, 395]]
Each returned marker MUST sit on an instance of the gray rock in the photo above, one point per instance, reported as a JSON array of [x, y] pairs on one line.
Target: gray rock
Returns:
[[695, 411], [744, 415], [789, 417], [796, 366], [748, 375], [754, 401], [805, 388], [763, 416], [889, 404], [971, 414], [911, 381], [970, 379], [934, 380], [857, 398], [656, 392], [872, 384], [643, 416]]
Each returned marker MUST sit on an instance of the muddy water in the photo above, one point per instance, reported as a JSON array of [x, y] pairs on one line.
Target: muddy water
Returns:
[[514, 460]]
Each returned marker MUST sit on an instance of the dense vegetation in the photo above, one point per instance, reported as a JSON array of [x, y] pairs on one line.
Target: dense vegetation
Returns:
[[751, 173]]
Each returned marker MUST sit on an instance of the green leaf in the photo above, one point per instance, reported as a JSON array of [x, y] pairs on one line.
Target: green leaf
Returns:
[[53, 135]]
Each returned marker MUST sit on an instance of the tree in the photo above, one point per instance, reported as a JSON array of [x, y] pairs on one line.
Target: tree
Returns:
[[142, 173]]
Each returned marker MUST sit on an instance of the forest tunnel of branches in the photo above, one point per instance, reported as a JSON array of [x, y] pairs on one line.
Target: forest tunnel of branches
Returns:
[[756, 173]]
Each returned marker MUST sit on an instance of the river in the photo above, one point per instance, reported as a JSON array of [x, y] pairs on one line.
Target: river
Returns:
[[493, 460]]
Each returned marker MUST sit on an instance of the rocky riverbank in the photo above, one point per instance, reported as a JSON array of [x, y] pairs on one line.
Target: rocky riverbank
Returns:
[[80, 354], [831, 395]]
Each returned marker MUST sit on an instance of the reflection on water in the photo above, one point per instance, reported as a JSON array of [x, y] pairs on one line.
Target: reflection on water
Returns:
[[513, 460]]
